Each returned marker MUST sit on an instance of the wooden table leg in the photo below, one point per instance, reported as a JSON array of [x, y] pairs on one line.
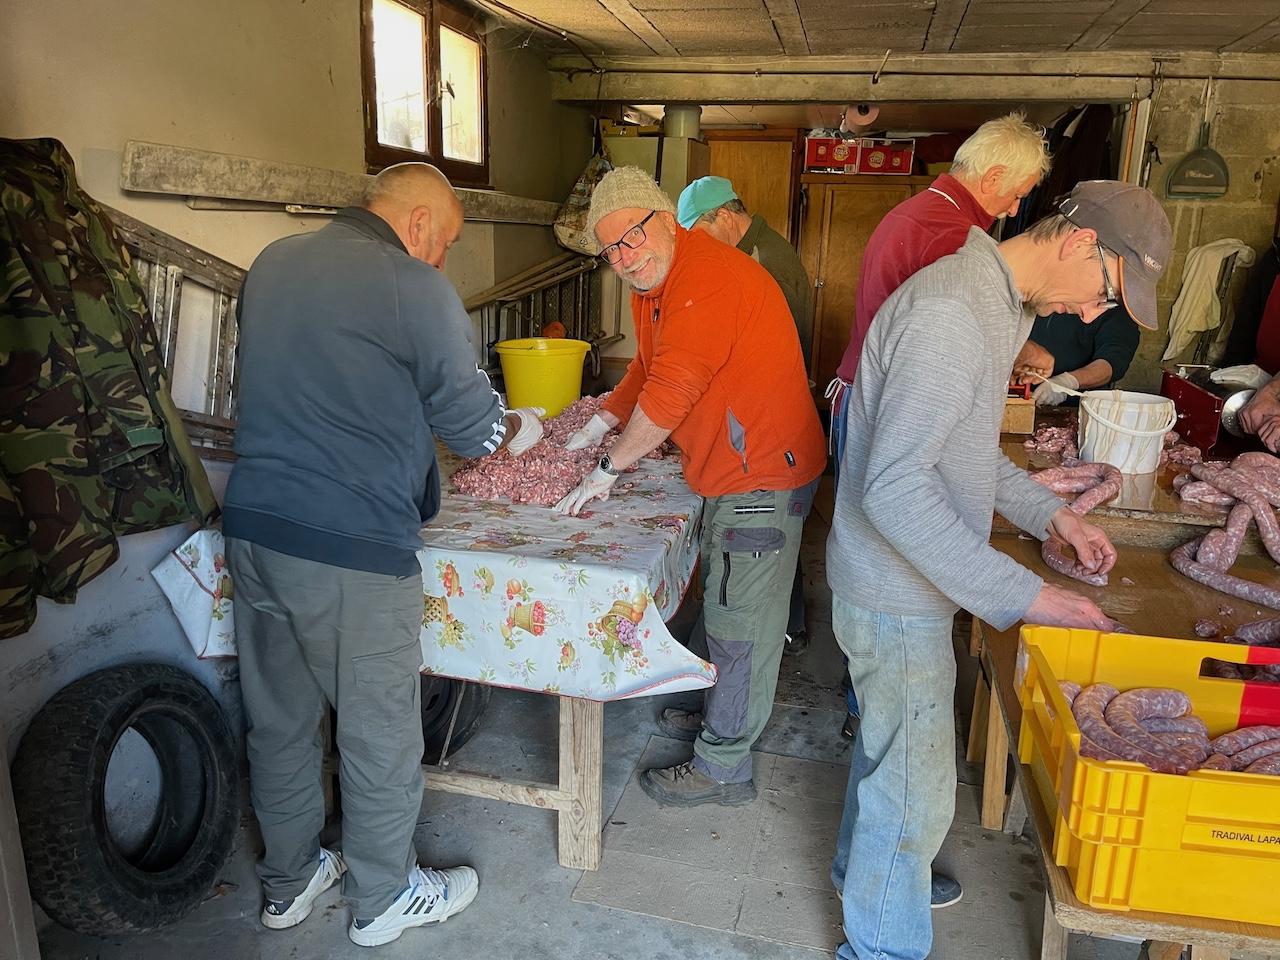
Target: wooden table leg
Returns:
[[1054, 938], [581, 777], [17, 922], [1015, 818], [978, 722], [993, 771]]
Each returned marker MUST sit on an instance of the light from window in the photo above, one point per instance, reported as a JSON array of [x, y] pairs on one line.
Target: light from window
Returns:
[[460, 107], [399, 67]]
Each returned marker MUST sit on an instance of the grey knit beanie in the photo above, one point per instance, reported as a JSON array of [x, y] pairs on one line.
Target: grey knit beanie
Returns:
[[625, 188]]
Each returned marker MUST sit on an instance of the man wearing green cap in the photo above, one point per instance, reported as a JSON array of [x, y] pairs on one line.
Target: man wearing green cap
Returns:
[[710, 204]]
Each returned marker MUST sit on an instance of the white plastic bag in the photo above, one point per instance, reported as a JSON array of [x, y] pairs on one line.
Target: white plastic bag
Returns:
[[197, 582], [571, 222]]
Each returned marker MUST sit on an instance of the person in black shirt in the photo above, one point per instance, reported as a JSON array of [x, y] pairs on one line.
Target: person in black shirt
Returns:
[[1075, 354]]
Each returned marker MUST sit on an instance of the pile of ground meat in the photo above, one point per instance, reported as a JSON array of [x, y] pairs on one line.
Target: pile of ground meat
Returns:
[[1055, 440], [546, 472]]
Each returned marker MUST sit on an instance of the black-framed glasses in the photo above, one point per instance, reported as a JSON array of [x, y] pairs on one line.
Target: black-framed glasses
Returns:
[[1112, 300], [631, 239]]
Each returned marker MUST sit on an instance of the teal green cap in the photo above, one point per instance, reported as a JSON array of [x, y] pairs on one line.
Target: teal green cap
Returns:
[[703, 196]]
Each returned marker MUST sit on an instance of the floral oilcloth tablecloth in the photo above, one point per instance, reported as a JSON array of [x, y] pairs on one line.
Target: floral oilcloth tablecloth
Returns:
[[520, 596]]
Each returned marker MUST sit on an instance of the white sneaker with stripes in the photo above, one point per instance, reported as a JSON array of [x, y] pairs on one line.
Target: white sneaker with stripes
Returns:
[[283, 914], [433, 896]]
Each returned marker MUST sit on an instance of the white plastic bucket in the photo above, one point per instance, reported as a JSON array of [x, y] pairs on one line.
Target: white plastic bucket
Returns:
[[1124, 429]]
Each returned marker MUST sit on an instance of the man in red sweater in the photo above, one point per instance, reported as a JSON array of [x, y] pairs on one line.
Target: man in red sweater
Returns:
[[718, 369], [992, 172]]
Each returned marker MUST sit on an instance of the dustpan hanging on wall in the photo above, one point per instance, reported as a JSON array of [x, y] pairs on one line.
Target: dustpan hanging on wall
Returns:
[[1202, 174]]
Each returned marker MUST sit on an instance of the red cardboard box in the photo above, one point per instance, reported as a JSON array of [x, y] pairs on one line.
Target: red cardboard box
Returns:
[[865, 155], [885, 156]]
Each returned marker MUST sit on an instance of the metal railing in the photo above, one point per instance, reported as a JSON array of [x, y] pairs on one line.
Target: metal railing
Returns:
[[564, 290]]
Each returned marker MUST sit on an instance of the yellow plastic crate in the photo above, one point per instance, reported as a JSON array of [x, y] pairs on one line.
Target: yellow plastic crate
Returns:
[[1206, 844]]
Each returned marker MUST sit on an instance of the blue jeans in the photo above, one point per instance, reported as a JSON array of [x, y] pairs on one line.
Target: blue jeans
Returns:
[[839, 432], [902, 779]]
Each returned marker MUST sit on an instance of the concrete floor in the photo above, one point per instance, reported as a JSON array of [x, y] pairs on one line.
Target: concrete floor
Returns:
[[525, 909]]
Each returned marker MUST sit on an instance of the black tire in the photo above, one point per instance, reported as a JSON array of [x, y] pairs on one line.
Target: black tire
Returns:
[[77, 871], [439, 696]]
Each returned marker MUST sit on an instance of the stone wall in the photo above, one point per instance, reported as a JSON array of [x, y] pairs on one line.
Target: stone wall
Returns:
[[1246, 131]]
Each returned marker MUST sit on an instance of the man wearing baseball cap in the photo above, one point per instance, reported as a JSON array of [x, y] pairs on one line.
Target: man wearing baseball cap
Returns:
[[717, 369], [910, 536], [710, 204]]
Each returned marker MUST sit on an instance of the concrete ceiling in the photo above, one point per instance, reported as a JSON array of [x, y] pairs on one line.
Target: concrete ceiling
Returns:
[[693, 28]]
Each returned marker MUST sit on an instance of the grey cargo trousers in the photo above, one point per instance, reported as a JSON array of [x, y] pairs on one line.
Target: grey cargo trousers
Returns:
[[310, 635]]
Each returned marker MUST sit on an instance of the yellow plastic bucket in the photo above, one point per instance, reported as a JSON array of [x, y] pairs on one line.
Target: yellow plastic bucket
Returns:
[[542, 372]]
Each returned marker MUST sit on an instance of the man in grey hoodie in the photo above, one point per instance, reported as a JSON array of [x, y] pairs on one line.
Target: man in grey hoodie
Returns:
[[355, 355], [909, 544]]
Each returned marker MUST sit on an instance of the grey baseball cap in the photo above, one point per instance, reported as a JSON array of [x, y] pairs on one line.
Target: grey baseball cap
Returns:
[[1130, 223]]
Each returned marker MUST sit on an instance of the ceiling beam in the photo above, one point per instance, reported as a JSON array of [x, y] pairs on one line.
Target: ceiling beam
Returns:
[[1104, 27], [747, 87], [789, 26], [1266, 32], [945, 24], [639, 25], [1083, 77]]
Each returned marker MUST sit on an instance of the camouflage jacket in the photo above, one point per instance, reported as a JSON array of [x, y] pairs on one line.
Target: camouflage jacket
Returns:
[[91, 445]]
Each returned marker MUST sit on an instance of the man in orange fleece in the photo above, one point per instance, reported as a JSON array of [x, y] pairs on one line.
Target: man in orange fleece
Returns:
[[719, 370]]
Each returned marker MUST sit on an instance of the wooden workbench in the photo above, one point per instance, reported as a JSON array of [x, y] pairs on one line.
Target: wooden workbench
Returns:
[[1159, 602], [1146, 513]]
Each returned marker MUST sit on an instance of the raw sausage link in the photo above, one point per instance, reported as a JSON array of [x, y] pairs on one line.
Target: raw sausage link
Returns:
[[1244, 738], [1197, 491], [1264, 749], [1125, 713], [1057, 559], [1269, 765], [1263, 463], [1229, 481], [1108, 488], [1221, 547], [1217, 762], [1183, 560], [1088, 711], [1259, 632], [1095, 483], [1070, 689]]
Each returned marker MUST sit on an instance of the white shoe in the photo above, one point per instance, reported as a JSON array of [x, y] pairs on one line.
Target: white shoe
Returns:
[[283, 914], [433, 896]]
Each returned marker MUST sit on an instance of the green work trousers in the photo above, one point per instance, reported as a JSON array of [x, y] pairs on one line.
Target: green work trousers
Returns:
[[750, 545]]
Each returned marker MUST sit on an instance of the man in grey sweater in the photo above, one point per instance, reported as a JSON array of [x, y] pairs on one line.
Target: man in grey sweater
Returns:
[[355, 355], [909, 544]]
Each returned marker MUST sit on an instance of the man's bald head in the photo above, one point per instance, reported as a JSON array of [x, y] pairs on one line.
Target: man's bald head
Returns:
[[419, 204]]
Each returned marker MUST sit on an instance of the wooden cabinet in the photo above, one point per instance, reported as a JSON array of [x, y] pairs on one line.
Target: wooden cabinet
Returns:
[[840, 212], [763, 173]]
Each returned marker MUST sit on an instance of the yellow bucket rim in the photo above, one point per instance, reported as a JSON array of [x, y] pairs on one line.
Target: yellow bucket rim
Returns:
[[548, 345]]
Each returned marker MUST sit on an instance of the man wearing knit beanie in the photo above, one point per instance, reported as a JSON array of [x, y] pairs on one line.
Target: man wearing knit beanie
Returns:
[[719, 370]]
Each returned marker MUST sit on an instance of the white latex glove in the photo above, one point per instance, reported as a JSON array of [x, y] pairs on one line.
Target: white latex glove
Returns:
[[596, 484], [1048, 394], [589, 435], [530, 431], [1245, 375]]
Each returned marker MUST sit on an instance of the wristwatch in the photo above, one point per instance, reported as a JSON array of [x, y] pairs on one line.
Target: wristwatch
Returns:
[[606, 466]]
